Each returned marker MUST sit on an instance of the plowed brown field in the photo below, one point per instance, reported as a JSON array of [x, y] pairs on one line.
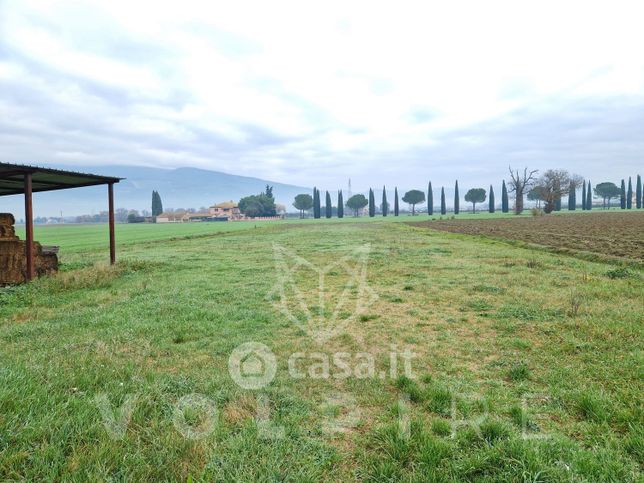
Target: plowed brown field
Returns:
[[613, 234]]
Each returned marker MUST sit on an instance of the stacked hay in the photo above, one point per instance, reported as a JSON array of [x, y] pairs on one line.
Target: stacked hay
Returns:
[[6, 227], [13, 261]]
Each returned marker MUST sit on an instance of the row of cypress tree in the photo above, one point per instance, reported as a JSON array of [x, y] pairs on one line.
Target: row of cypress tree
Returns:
[[586, 197], [385, 207], [626, 196]]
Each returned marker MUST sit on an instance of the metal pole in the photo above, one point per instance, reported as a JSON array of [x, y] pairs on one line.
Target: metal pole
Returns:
[[110, 196], [29, 226]]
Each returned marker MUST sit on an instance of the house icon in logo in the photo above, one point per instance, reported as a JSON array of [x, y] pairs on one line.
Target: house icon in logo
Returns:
[[252, 365]]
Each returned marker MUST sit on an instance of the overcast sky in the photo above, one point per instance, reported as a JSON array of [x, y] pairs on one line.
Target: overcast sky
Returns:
[[312, 93]]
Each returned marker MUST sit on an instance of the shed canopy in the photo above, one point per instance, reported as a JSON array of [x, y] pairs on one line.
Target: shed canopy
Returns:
[[46, 179], [18, 179]]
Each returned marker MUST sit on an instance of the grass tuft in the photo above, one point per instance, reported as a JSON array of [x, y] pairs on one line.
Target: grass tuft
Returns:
[[488, 289], [591, 406], [440, 427], [522, 419], [410, 387], [519, 371], [439, 399], [619, 272], [493, 431], [533, 263], [575, 302], [368, 317]]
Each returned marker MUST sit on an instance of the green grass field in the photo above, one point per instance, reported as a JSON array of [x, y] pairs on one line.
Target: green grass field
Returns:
[[527, 365], [76, 238]]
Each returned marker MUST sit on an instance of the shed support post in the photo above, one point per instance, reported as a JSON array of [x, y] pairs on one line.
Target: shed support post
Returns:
[[29, 227], [110, 197]]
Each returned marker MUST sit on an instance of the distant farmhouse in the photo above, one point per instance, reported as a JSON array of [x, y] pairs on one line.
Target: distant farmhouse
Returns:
[[226, 211], [171, 217]]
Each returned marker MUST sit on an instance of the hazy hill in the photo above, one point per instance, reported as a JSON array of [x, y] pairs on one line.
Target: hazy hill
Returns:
[[179, 188]]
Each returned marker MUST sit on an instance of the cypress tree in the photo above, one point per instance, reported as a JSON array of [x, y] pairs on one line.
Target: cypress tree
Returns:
[[505, 205], [430, 199], [328, 207], [557, 193], [396, 207], [638, 192], [629, 195], [589, 197], [583, 195], [572, 198], [443, 204], [456, 199], [385, 204], [316, 203], [340, 205], [622, 196], [372, 204], [491, 207], [157, 205]]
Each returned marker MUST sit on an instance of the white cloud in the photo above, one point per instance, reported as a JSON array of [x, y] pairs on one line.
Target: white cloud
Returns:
[[287, 89]]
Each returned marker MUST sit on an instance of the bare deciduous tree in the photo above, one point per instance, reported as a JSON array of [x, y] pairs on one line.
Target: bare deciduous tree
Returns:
[[554, 184], [518, 185]]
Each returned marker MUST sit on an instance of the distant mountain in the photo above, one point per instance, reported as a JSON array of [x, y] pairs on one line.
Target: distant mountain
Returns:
[[179, 188]]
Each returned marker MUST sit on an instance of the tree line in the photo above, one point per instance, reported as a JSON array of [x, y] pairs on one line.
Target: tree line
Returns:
[[546, 190]]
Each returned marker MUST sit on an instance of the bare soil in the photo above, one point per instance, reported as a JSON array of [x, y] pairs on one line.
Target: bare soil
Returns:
[[616, 235]]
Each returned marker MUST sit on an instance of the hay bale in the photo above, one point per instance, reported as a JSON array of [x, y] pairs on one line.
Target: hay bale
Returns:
[[7, 231], [13, 259]]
